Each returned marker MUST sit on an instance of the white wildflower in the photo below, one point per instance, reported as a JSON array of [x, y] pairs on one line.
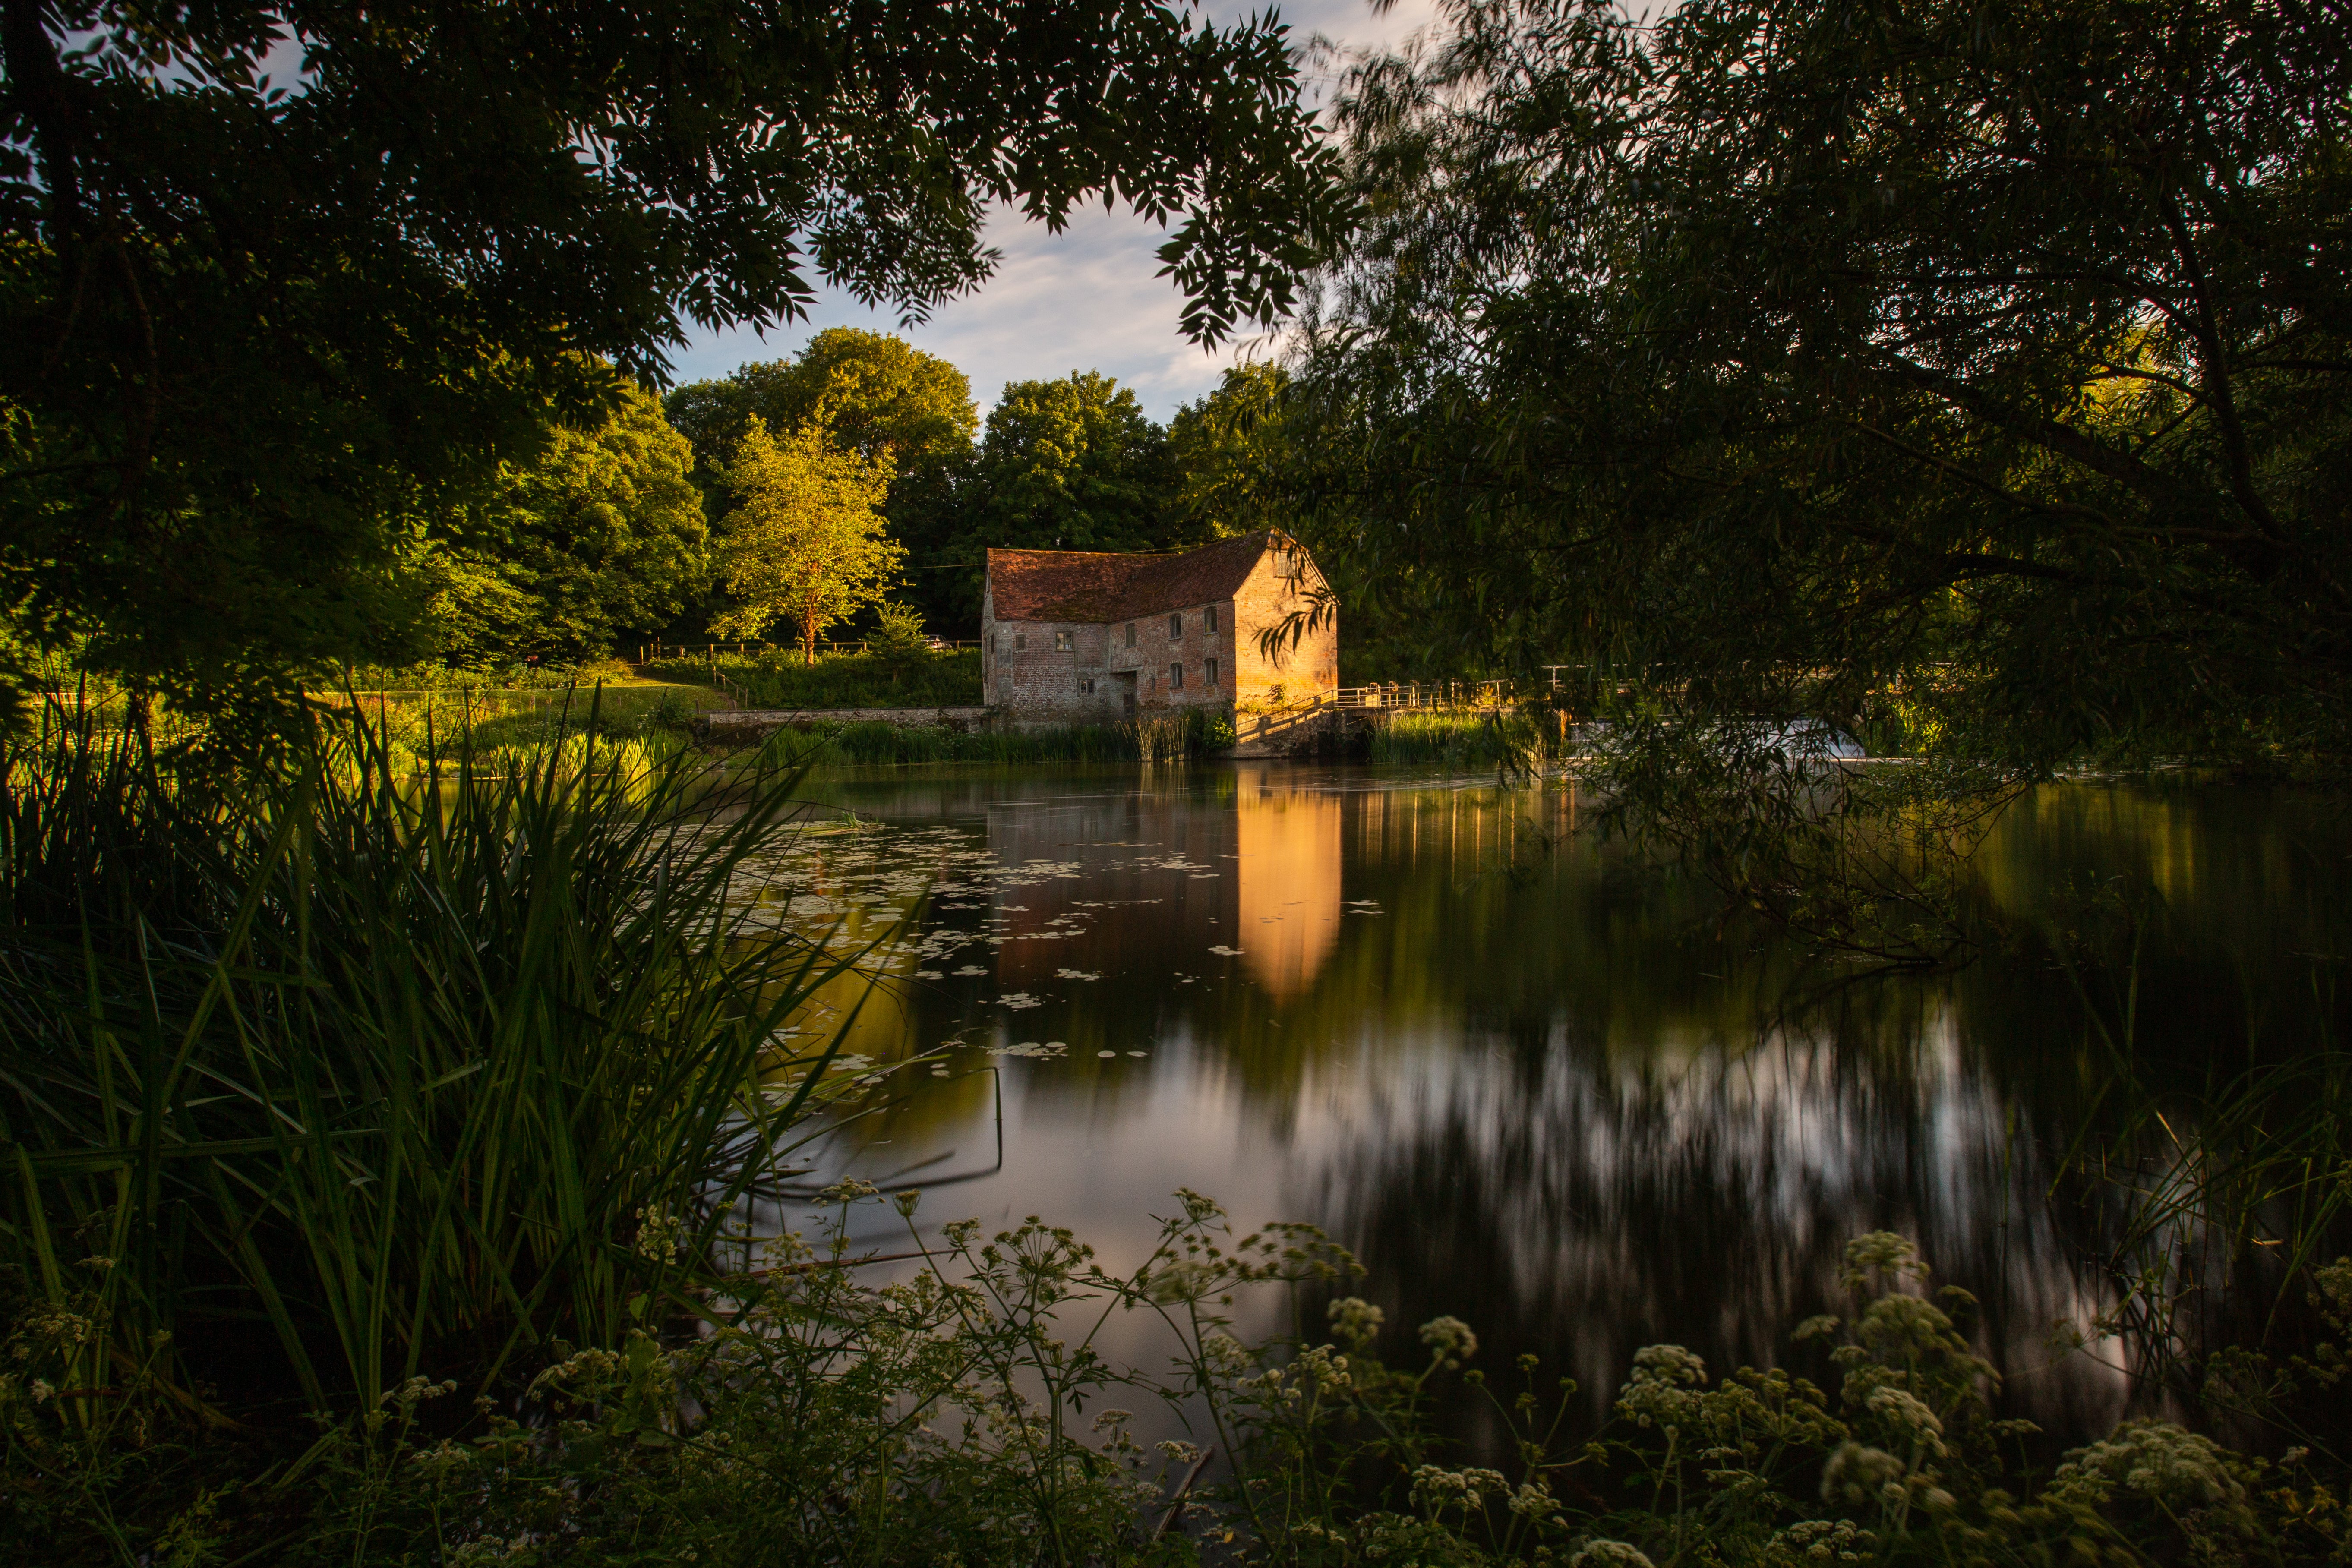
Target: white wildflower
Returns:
[[1909, 1414], [1355, 1320], [1882, 1253], [2174, 1469], [1451, 1339], [1663, 1389], [1856, 1474], [1608, 1555]]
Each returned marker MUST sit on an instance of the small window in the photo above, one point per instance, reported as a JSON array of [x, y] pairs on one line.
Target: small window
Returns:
[[1004, 685], [1176, 624], [1208, 623], [1087, 687], [1175, 677], [1130, 633], [1209, 675], [996, 642], [1061, 642], [1019, 641]]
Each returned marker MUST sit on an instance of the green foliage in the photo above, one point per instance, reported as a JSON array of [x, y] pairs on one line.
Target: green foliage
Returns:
[[1232, 452], [256, 335], [804, 540], [354, 1080], [1494, 738], [966, 1414], [1066, 465], [1783, 352], [872, 392], [782, 681], [602, 534], [877, 395], [873, 743]]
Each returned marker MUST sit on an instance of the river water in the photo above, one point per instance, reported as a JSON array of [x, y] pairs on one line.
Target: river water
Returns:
[[1529, 1082]]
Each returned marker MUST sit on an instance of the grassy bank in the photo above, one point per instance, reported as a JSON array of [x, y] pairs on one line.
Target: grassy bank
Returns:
[[778, 678], [875, 744]]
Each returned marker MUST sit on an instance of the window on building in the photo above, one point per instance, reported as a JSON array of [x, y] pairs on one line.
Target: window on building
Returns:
[[1004, 685], [996, 642], [1209, 622], [1209, 675], [1175, 677], [1087, 687], [1061, 642], [1019, 641], [1176, 624], [1130, 633]]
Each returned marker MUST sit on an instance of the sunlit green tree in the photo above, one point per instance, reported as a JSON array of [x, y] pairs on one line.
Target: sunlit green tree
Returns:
[[805, 541]]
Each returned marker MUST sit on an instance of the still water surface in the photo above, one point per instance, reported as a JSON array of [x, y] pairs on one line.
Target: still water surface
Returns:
[[1527, 1082]]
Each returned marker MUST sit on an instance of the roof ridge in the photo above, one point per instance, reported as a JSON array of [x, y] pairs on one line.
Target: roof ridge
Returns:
[[1103, 586]]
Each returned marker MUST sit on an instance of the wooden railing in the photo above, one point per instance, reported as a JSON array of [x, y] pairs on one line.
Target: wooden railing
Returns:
[[1429, 694]]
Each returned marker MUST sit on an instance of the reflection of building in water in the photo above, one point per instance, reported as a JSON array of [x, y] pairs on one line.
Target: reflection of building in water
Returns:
[[1168, 878], [1286, 879]]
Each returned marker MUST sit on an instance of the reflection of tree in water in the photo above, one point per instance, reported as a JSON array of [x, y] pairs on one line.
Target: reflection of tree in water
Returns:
[[1549, 1093], [1570, 1202]]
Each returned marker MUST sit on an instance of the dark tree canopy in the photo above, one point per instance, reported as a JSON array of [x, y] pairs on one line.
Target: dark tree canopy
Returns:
[[251, 331], [1993, 363], [872, 392]]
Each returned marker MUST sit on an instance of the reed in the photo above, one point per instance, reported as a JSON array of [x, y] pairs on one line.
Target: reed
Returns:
[[1494, 738], [345, 1079]]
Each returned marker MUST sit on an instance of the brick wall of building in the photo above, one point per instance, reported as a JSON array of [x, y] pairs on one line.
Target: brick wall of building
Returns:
[[1026, 675], [1160, 648], [1024, 672], [1295, 672]]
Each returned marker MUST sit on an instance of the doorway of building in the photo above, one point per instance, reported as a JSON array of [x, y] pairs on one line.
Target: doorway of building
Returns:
[[1126, 679]]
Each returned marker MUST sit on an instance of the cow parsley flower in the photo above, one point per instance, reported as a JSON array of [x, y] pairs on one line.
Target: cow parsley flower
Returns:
[[1663, 1389], [1881, 1253], [1451, 1338], [2163, 1464], [1857, 1474]]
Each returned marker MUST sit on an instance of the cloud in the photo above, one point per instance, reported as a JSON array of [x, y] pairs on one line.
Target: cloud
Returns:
[[1086, 298]]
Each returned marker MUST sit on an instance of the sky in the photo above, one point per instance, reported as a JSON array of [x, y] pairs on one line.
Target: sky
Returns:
[[1086, 299]]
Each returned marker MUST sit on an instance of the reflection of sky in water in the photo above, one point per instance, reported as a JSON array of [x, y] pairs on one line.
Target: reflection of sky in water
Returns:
[[1529, 1086]]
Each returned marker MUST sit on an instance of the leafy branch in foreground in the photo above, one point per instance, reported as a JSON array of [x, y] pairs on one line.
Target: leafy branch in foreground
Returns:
[[1793, 350]]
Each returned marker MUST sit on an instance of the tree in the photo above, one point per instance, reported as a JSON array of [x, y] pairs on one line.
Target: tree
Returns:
[[1979, 374], [805, 541], [252, 330], [1233, 453], [603, 535], [873, 393], [1071, 464], [877, 395]]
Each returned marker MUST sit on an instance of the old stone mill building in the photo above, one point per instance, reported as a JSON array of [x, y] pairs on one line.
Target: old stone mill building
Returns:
[[1079, 636]]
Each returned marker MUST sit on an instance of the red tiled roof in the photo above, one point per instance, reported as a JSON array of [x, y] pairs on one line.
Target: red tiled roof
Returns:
[[1084, 585]]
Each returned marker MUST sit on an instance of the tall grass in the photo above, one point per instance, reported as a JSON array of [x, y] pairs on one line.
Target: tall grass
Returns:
[[1493, 738], [346, 1081]]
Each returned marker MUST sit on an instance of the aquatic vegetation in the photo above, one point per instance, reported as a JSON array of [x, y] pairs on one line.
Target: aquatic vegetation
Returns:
[[1493, 738], [354, 1080]]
